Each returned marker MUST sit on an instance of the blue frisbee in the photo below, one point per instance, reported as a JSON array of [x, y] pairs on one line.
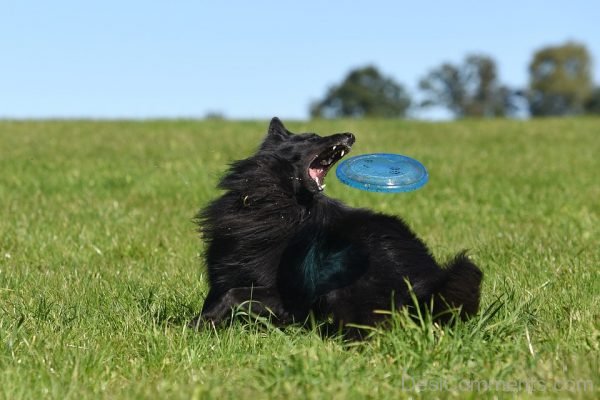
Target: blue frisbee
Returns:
[[382, 172]]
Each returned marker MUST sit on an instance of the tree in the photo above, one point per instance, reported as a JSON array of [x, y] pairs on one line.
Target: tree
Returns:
[[592, 105], [471, 89], [365, 92], [560, 80]]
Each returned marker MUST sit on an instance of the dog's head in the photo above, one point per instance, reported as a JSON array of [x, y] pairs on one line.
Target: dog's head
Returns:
[[308, 156]]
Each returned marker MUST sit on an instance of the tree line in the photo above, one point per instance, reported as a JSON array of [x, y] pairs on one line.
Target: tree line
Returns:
[[560, 84]]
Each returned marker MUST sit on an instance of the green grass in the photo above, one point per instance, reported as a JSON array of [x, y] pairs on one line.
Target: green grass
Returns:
[[100, 267]]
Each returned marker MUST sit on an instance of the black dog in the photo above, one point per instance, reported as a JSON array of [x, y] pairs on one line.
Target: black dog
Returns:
[[277, 243]]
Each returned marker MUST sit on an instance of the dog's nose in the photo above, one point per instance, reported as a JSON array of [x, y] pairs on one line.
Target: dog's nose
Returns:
[[350, 138]]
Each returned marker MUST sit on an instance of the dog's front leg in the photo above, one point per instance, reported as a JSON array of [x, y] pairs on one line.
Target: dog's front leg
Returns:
[[261, 301]]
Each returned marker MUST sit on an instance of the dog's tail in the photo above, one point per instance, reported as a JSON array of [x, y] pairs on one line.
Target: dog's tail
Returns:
[[461, 288]]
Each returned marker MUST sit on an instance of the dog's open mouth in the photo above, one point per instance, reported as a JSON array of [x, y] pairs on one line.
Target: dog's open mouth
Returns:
[[321, 164]]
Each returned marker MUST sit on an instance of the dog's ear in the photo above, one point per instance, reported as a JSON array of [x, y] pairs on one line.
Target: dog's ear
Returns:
[[276, 128]]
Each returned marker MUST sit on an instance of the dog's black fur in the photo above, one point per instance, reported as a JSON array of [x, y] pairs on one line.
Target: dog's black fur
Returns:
[[274, 238]]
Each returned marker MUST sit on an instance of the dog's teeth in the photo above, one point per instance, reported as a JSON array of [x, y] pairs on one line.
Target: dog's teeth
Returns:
[[334, 147], [323, 186], [343, 153]]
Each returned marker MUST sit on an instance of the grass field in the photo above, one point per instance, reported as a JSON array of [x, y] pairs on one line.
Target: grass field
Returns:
[[100, 267]]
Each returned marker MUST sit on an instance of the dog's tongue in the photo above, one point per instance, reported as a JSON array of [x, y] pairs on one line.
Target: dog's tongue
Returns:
[[316, 174]]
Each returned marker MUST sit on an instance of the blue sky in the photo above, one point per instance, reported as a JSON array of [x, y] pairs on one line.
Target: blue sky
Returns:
[[254, 59]]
